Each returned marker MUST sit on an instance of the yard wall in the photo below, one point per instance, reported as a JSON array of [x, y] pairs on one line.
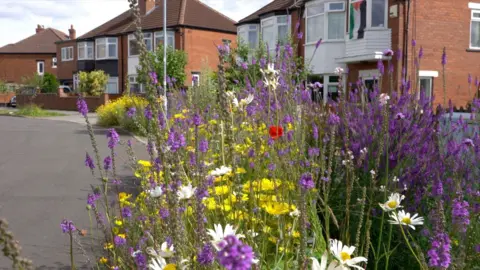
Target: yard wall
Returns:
[[5, 98], [69, 103]]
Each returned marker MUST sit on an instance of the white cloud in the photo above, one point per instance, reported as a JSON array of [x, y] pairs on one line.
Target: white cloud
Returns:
[[19, 18]]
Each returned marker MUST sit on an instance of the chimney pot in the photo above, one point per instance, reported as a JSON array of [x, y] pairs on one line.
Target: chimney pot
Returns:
[[72, 33], [146, 6], [39, 28]]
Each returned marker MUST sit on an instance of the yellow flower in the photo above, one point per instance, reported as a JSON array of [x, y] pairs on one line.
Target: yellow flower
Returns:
[[296, 234], [119, 223], [240, 171], [122, 235], [115, 230], [189, 211], [212, 122], [179, 116], [221, 190], [145, 163], [123, 198], [282, 249], [210, 203], [290, 126], [267, 229], [103, 260], [273, 239], [190, 148], [237, 215], [108, 246], [170, 266], [263, 185], [277, 208], [225, 207]]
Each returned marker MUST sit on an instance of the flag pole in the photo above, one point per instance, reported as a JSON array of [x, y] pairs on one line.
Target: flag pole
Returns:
[[165, 56]]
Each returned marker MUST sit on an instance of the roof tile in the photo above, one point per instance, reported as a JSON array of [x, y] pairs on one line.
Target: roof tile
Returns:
[[41, 42], [276, 5]]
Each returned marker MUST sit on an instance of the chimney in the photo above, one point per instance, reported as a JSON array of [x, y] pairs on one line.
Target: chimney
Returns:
[[39, 29], [72, 34], [146, 6]]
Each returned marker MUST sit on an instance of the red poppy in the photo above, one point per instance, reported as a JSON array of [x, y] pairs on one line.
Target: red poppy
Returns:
[[275, 132]]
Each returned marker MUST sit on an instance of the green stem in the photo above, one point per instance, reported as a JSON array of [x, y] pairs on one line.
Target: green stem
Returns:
[[410, 247], [387, 258], [72, 264]]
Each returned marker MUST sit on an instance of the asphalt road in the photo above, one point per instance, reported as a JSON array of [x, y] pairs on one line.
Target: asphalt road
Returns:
[[43, 180]]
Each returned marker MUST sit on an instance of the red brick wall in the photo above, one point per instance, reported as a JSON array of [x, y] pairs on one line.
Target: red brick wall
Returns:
[[439, 24], [54, 102], [122, 63], [297, 17], [200, 45], [66, 68], [15, 66]]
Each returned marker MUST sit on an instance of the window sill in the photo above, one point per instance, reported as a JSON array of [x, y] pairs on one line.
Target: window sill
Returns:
[[108, 58], [473, 50], [67, 60], [84, 59]]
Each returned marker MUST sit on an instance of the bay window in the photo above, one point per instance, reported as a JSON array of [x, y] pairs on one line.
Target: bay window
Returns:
[[379, 13], [170, 38], [106, 48], [134, 49], [85, 50], [325, 21], [475, 29], [275, 29], [249, 35]]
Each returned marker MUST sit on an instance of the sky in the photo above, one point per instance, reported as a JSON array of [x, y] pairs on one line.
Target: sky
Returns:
[[19, 18]]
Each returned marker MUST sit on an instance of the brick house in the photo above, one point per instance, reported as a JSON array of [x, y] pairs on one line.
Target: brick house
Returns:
[[35, 54], [192, 26], [355, 33]]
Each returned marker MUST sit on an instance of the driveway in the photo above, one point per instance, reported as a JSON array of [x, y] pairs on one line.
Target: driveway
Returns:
[[43, 179]]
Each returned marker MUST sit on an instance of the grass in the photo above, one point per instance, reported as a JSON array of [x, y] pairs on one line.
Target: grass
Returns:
[[30, 111]]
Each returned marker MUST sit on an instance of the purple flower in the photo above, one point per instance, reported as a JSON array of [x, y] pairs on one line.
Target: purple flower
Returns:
[[89, 161], [444, 57], [380, 66], [317, 85], [469, 78], [263, 62], [313, 152], [468, 142], [300, 35], [223, 50], [126, 212], [119, 241], [164, 213], [131, 112], [306, 181], [388, 52], [333, 119], [148, 113], [244, 66], [272, 166], [203, 146], [315, 132], [439, 254], [67, 226], [414, 43], [318, 43], [82, 106], [234, 254], [206, 256], [399, 116], [460, 214], [141, 261], [153, 77], [201, 193], [175, 140], [92, 198], [197, 120], [297, 26], [107, 162], [420, 53], [113, 137]]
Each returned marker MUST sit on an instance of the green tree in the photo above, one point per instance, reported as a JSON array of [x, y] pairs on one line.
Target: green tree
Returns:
[[92, 83], [49, 83], [176, 62], [3, 87], [34, 81]]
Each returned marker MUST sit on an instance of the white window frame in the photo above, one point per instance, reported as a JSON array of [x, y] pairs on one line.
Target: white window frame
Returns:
[[426, 74], [85, 46], [369, 16], [112, 80], [327, 12], [473, 19], [273, 21], [133, 79], [244, 34], [147, 38], [310, 5], [67, 54], [54, 62], [106, 42], [42, 63], [170, 35], [196, 75]]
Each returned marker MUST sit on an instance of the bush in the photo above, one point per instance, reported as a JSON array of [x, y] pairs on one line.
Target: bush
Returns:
[[49, 83], [93, 83], [114, 113], [3, 87]]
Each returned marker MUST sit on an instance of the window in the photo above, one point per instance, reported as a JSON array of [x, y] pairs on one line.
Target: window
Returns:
[[275, 29], [112, 86], [40, 67], [195, 78], [76, 81], [54, 62], [106, 48], [226, 42], [134, 49], [135, 86], [85, 50], [315, 21], [426, 86], [249, 35], [379, 13], [475, 30], [67, 54], [336, 21], [170, 38]]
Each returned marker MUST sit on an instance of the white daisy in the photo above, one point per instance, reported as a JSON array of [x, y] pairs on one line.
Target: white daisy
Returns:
[[156, 192], [323, 264], [339, 71], [186, 192], [221, 171], [344, 255], [295, 213], [157, 263], [164, 252], [404, 218], [219, 234], [393, 202]]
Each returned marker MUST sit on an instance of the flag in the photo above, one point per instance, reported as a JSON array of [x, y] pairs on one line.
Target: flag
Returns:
[[357, 18]]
